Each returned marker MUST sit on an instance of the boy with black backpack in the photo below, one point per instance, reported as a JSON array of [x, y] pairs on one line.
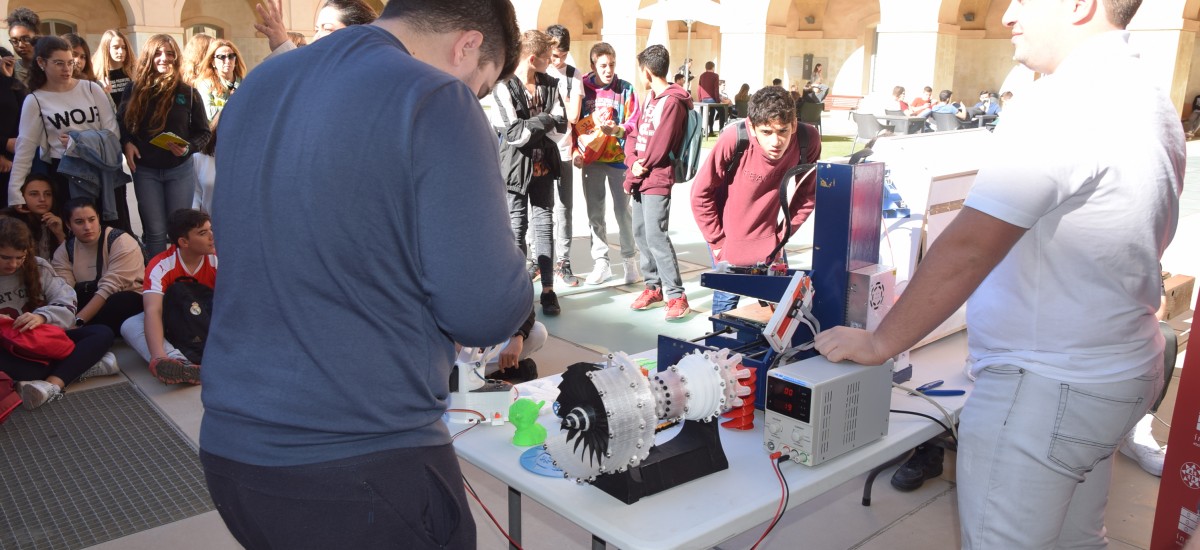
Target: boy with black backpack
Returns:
[[657, 138], [177, 295], [735, 196]]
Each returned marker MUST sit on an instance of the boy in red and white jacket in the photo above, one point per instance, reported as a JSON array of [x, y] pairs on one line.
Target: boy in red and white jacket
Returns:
[[192, 253], [649, 180]]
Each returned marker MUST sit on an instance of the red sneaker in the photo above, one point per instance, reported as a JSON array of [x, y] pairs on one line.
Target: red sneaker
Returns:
[[648, 298], [677, 308]]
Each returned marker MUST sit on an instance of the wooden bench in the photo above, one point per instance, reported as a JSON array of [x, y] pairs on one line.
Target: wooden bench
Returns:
[[842, 102]]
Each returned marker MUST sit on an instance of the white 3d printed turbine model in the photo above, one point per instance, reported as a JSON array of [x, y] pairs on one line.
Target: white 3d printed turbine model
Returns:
[[609, 414]]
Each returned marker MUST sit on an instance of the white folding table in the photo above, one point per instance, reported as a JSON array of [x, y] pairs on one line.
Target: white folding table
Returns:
[[712, 509]]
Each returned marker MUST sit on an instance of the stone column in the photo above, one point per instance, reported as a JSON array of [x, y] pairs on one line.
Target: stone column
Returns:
[[1167, 44], [914, 50], [744, 44], [621, 32]]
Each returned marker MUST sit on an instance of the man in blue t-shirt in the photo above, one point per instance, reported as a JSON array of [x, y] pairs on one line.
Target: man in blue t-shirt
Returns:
[[327, 367]]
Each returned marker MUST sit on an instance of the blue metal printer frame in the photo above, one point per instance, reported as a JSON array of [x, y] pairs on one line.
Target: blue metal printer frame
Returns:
[[845, 238]]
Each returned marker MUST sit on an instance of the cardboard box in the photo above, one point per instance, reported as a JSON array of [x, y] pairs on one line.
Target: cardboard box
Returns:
[[1179, 294], [1183, 328]]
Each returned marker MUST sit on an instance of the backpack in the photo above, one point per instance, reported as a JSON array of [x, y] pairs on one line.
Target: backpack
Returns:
[[743, 142], [113, 234], [9, 398], [570, 74], [686, 159], [186, 314]]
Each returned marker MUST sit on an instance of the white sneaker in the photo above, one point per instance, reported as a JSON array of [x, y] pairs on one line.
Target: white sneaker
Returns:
[[632, 273], [1141, 446], [602, 272], [36, 393], [107, 366]]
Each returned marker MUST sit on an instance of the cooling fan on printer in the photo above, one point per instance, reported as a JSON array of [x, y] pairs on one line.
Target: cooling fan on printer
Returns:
[[609, 415]]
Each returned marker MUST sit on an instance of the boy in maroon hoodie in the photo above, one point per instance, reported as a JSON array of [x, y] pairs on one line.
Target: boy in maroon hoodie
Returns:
[[737, 207], [650, 177]]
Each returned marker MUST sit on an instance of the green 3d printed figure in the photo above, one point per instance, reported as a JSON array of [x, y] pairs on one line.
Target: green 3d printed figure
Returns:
[[523, 415]]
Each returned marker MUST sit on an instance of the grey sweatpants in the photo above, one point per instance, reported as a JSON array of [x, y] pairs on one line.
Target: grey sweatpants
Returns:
[[651, 216], [597, 180]]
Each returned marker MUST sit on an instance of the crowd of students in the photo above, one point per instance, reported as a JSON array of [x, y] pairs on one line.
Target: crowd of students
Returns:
[[624, 143], [375, 418], [151, 119], [78, 127]]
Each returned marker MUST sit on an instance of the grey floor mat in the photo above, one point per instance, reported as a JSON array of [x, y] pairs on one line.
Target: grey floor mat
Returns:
[[94, 466]]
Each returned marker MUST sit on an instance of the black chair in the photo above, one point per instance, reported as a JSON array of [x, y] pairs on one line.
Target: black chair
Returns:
[[869, 128], [811, 113], [893, 112], [945, 121]]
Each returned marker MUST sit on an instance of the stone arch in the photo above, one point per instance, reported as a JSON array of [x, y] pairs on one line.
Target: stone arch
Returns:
[[951, 11], [581, 17], [1191, 9]]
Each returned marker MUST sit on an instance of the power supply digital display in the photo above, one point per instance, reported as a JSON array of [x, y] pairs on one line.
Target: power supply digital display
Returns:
[[789, 398]]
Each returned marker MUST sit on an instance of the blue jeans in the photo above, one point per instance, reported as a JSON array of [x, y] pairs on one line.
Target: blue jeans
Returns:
[[1024, 439], [159, 192]]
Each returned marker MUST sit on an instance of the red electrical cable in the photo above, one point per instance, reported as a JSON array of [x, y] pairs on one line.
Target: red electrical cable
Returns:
[[783, 498], [482, 419], [471, 491]]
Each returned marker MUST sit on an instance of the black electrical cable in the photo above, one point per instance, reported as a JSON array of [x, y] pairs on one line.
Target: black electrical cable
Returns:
[[935, 419], [783, 204], [776, 460]]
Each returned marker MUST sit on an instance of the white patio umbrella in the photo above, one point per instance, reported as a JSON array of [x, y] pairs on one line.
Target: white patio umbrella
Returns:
[[688, 11]]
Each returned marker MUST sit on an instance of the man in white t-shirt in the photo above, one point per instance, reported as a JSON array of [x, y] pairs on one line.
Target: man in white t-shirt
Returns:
[[570, 87], [1059, 255]]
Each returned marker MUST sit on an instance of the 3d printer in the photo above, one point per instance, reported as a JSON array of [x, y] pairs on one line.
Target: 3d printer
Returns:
[[609, 415]]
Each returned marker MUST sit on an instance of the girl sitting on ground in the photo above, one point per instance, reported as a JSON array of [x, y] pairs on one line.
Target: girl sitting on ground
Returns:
[[31, 295], [104, 265], [38, 214]]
